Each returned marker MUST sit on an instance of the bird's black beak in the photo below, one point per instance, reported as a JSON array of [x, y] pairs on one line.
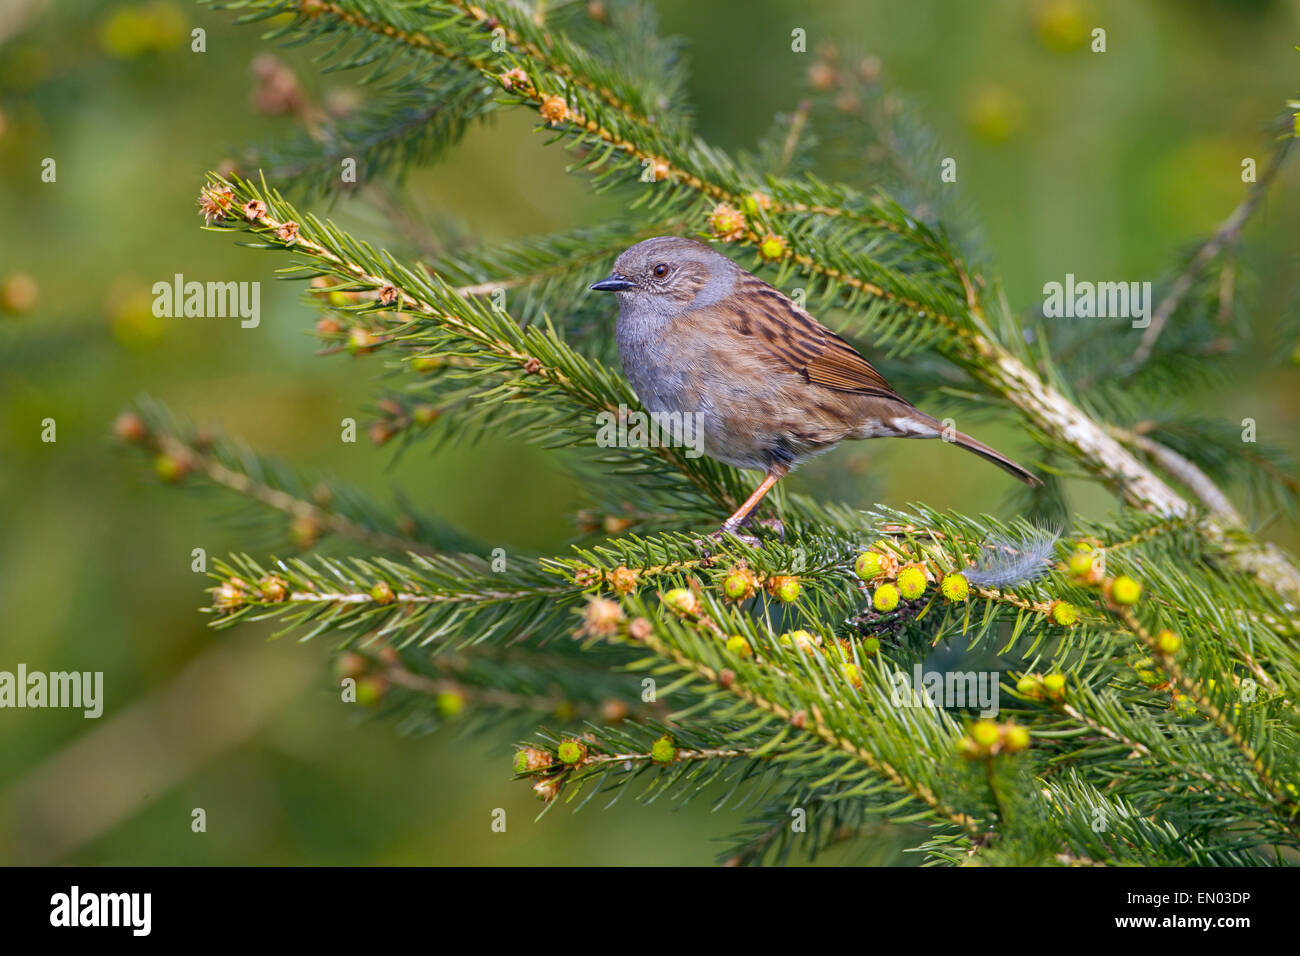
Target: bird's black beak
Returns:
[[613, 283]]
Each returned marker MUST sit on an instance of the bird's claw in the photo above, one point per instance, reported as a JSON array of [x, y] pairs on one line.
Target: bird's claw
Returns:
[[716, 537]]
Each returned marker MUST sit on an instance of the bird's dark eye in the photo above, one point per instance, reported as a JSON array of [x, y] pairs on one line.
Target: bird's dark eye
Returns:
[[660, 271]]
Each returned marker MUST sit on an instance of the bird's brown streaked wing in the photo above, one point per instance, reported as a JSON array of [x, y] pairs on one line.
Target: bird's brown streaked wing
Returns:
[[784, 332]]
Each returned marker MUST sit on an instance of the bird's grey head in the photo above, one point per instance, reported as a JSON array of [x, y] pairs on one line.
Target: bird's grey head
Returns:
[[669, 275]]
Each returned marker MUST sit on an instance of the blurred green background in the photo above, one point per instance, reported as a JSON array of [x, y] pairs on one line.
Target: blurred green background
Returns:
[[1098, 164]]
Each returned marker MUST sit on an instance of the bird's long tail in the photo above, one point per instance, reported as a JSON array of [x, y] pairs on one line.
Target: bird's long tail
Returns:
[[989, 454], [908, 421], [922, 425]]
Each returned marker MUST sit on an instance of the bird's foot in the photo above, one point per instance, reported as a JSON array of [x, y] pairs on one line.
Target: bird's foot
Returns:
[[708, 542], [748, 539]]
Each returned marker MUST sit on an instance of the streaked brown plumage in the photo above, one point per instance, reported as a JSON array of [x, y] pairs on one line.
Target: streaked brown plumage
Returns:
[[772, 385]]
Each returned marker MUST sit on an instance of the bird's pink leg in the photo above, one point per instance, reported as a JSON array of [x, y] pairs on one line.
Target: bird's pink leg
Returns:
[[773, 476]]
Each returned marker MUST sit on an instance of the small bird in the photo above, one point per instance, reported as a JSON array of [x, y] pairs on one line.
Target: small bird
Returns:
[[771, 385]]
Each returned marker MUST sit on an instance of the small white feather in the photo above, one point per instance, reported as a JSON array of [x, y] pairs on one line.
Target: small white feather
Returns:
[[1007, 561]]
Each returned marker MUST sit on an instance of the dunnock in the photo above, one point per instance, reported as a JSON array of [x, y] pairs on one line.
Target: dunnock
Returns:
[[771, 385]]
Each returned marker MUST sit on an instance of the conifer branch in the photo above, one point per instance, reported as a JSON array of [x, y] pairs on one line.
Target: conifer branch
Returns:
[[1185, 472], [316, 507], [1226, 236], [460, 681], [784, 672], [1167, 661], [810, 721], [969, 343]]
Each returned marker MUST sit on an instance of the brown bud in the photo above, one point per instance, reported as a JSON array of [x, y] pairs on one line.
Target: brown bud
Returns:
[[304, 531], [640, 629], [350, 664], [822, 76], [229, 595], [274, 589], [587, 577], [614, 524], [528, 759], [623, 579], [275, 91], [602, 617], [130, 427], [554, 109], [547, 789], [613, 711], [511, 77]]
